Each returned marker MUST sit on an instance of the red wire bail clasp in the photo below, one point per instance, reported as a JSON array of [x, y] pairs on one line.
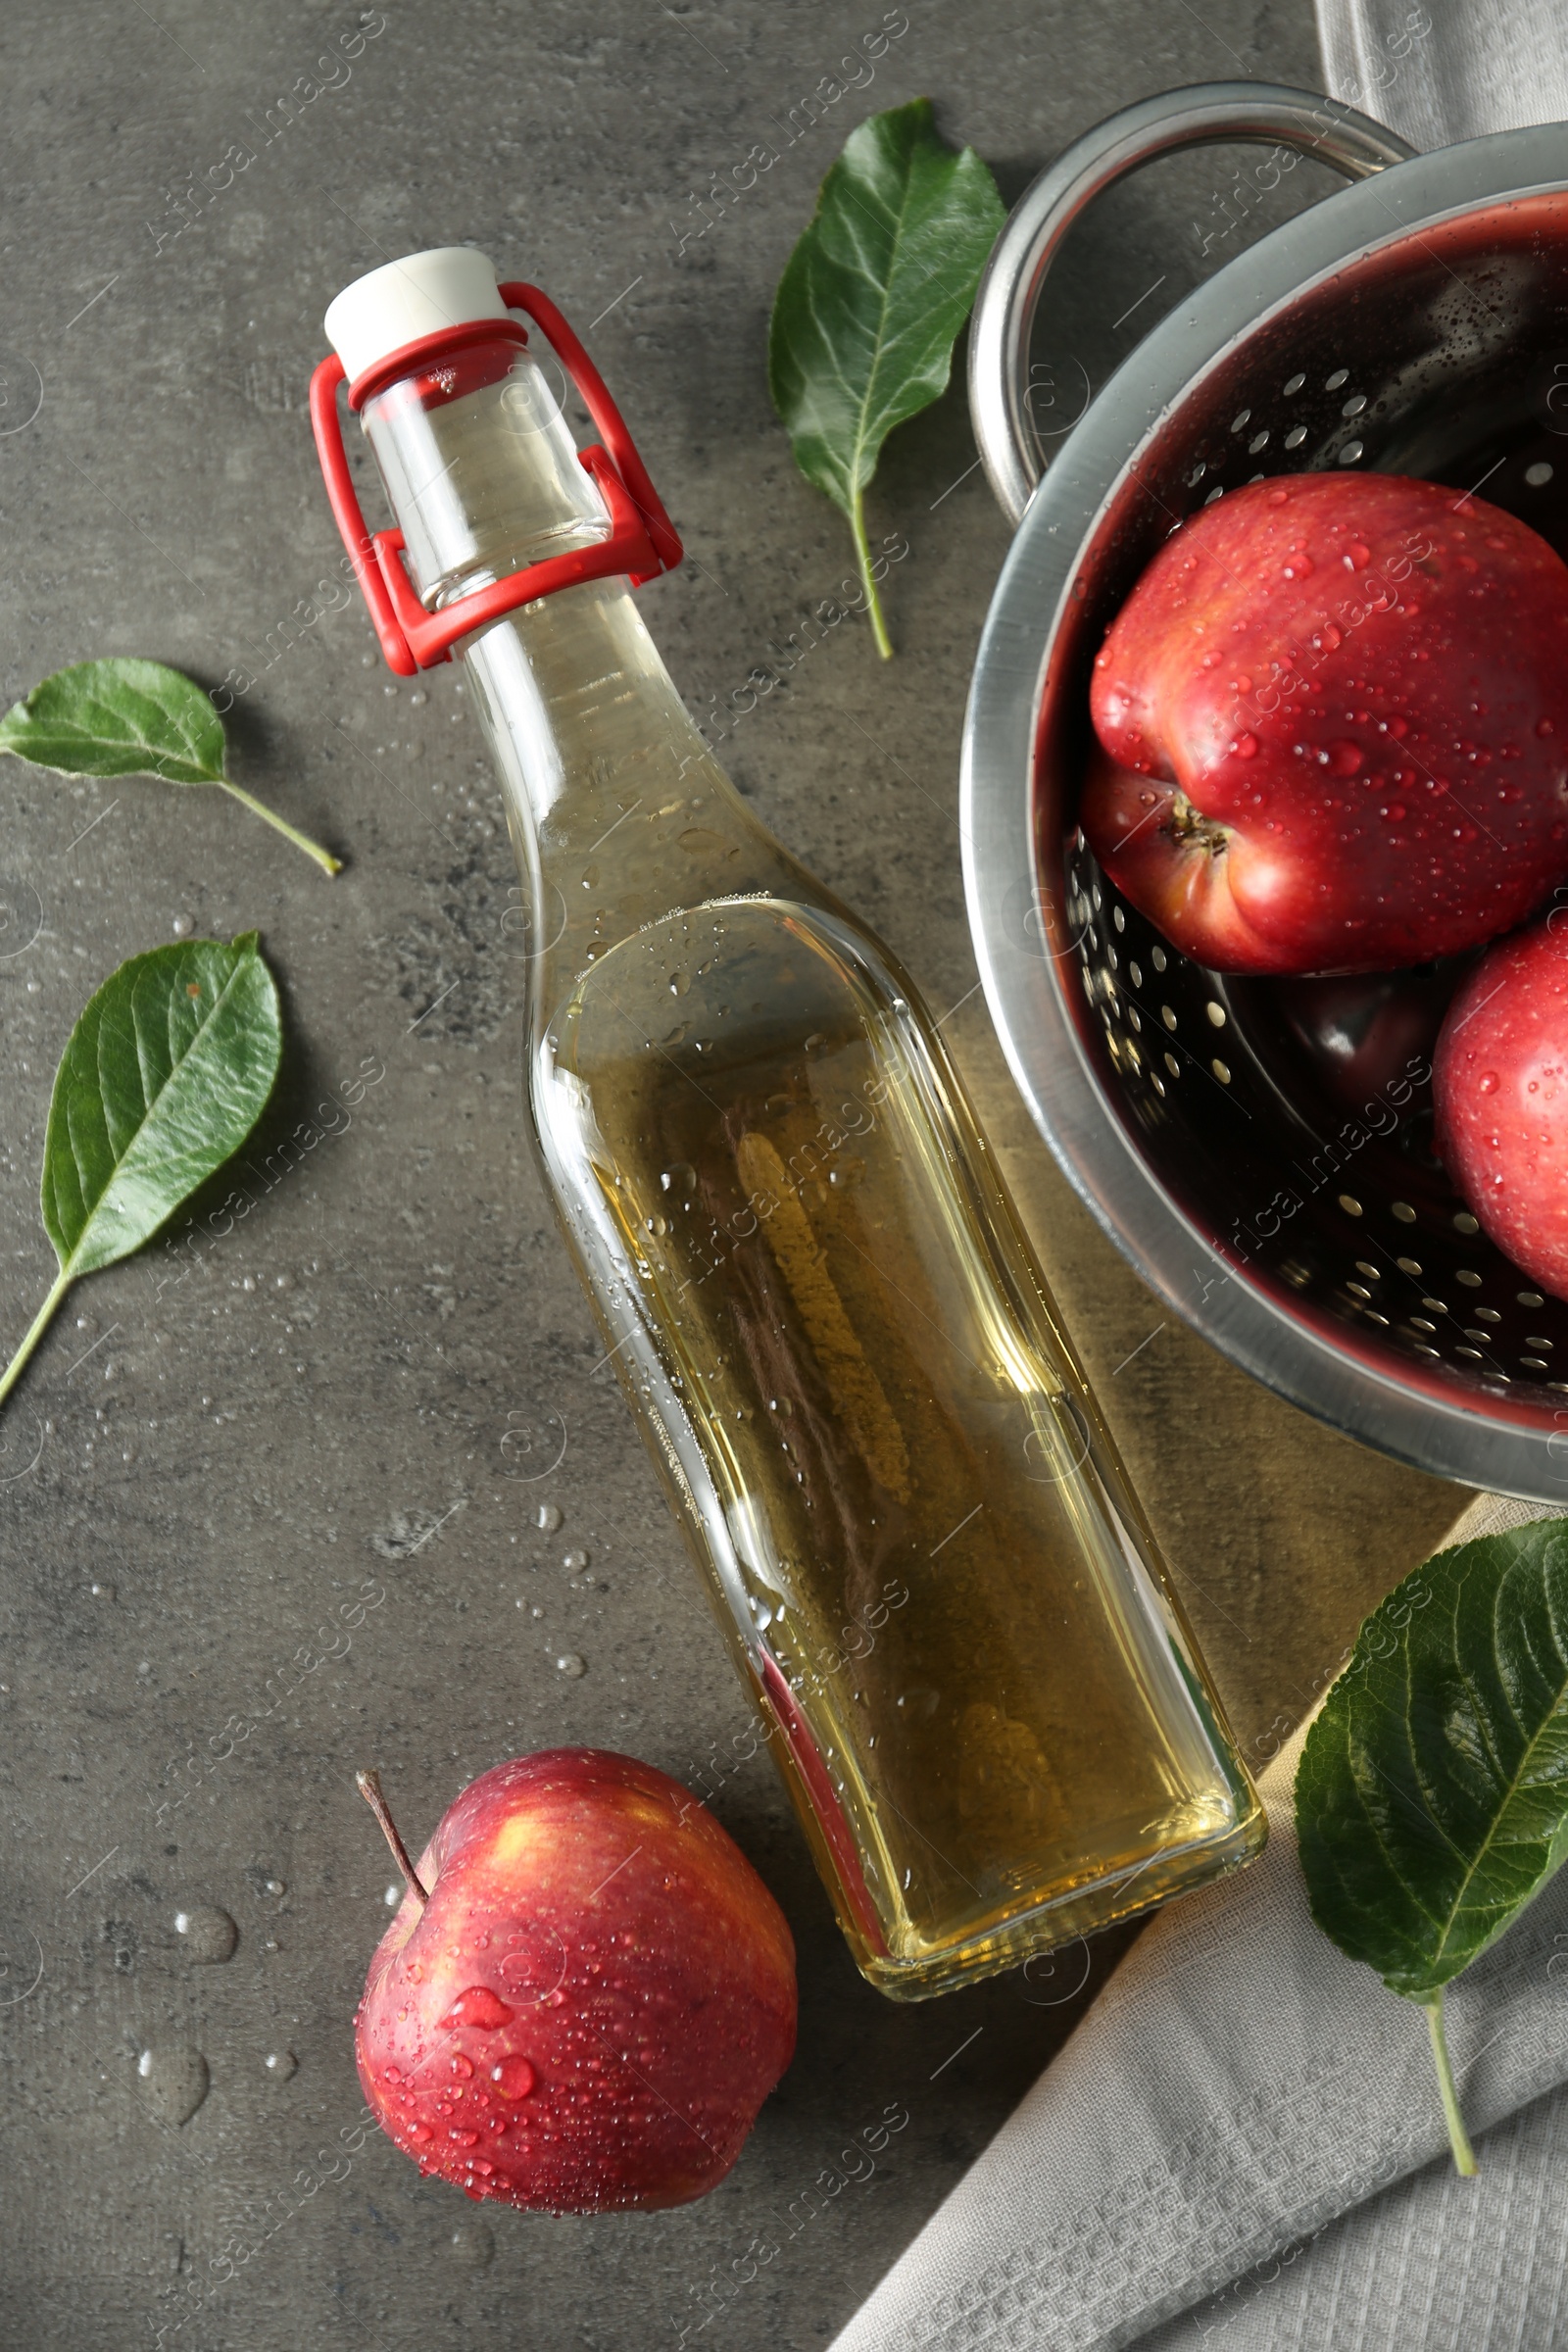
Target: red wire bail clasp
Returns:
[[642, 541]]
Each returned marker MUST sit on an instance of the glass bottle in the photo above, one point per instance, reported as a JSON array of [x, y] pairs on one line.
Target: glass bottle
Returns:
[[945, 1601]]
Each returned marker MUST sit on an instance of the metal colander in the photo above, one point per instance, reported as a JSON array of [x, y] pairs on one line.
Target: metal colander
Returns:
[[1262, 1149]]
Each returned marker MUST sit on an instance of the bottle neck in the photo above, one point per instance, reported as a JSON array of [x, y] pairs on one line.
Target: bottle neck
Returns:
[[619, 811]]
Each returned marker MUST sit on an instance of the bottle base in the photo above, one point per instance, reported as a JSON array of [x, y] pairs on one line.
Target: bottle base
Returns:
[[1079, 1912]]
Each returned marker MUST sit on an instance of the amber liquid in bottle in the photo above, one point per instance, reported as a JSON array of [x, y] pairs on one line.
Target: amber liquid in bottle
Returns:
[[815, 1290]]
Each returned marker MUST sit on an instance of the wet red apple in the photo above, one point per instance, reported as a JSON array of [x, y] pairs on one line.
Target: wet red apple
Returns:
[[1333, 727], [585, 1995], [1499, 1082]]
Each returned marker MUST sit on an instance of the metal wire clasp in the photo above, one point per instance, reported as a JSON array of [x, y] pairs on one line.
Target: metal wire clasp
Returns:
[[642, 541]]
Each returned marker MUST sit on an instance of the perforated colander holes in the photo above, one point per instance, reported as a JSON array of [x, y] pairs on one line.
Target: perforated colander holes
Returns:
[[1481, 1335], [1350, 453]]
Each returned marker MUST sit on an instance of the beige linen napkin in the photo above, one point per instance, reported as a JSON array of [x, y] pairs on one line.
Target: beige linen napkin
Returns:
[[1442, 71], [1236, 2088]]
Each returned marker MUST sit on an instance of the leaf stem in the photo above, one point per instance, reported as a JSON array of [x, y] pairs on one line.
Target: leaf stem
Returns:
[[40, 1324], [1464, 2155], [368, 1785], [302, 841], [873, 603]]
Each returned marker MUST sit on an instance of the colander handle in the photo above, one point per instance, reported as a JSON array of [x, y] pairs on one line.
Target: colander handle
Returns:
[[1208, 114]]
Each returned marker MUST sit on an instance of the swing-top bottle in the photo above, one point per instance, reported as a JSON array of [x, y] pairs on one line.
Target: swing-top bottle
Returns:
[[933, 1577]]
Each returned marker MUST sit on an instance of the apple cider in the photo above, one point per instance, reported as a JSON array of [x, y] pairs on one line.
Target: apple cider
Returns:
[[950, 1611]]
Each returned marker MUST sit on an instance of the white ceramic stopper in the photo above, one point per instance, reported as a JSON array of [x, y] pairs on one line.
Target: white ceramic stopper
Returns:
[[404, 301]]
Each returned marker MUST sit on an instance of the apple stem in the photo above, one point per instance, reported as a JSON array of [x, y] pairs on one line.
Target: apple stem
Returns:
[[369, 1787]]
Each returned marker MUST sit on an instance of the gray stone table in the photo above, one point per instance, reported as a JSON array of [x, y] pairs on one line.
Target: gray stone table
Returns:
[[210, 1455]]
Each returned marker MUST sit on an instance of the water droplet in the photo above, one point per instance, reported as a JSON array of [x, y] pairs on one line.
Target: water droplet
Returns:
[[477, 2006], [180, 926], [206, 1933], [575, 1559], [471, 2243], [462, 2066], [421, 2133], [679, 983], [548, 1516], [680, 1180], [571, 1664], [464, 2137], [513, 2077], [1487, 1082], [273, 1886], [392, 1898], [174, 2079], [816, 1043], [281, 2064], [1544, 726]]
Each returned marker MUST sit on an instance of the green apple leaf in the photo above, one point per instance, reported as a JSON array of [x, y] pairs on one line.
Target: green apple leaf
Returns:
[[124, 718], [1432, 1795], [119, 718], [162, 1077], [871, 301]]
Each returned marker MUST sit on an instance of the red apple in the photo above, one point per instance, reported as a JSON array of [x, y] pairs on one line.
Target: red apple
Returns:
[[586, 1993], [1334, 726], [1500, 1081]]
